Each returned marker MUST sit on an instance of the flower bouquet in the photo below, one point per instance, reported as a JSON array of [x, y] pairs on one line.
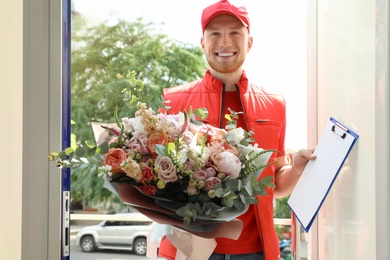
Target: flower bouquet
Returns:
[[177, 170], [186, 170]]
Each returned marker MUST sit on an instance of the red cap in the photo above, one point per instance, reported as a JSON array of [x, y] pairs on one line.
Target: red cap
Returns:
[[224, 7]]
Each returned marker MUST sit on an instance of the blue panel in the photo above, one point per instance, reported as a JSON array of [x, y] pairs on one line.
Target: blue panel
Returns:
[[66, 131]]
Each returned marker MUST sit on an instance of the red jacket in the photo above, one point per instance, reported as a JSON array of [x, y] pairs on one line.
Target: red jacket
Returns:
[[265, 114]]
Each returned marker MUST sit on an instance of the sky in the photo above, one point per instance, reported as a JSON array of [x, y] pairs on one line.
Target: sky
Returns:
[[276, 62]]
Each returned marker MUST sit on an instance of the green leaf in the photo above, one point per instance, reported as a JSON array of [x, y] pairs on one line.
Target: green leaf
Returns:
[[218, 192], [68, 151], [170, 148], [202, 113], [248, 188], [227, 201], [230, 137], [113, 145], [253, 200], [90, 144], [80, 151], [233, 185], [160, 149], [103, 148], [134, 100], [239, 205], [267, 180], [91, 152]]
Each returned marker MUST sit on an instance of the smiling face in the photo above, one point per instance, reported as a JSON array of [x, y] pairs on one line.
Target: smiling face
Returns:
[[225, 43]]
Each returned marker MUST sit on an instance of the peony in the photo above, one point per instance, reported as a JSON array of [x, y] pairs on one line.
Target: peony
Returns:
[[166, 170], [114, 158], [134, 126], [229, 164], [127, 125], [172, 124], [157, 137]]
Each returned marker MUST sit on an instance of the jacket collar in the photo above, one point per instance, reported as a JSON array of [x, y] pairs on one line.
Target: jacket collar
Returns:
[[215, 85]]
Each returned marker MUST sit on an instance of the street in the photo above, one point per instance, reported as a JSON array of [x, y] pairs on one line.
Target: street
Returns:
[[77, 254]]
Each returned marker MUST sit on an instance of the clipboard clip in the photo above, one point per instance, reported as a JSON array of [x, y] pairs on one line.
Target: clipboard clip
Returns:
[[340, 130]]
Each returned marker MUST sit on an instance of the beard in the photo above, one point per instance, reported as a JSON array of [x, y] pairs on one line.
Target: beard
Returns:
[[225, 67]]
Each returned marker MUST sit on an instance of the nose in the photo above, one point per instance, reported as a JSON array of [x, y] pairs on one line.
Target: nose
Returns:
[[224, 40]]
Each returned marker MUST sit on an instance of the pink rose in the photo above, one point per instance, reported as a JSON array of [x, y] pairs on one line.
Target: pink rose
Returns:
[[113, 140], [199, 175], [213, 132], [143, 139], [189, 164], [229, 164], [166, 170], [134, 147], [211, 171], [188, 137], [192, 191], [137, 145], [211, 182], [192, 183]]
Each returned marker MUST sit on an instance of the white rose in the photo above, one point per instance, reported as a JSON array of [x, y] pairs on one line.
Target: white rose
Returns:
[[237, 134], [134, 125], [253, 150]]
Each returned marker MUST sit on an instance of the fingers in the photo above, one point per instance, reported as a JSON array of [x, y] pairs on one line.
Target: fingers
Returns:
[[306, 153]]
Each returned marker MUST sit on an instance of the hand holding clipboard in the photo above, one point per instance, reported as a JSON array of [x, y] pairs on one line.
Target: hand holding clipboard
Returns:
[[319, 175]]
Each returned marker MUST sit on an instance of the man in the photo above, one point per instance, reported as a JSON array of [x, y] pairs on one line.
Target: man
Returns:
[[226, 41]]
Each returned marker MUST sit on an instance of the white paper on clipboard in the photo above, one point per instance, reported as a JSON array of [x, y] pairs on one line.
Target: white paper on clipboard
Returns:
[[319, 175]]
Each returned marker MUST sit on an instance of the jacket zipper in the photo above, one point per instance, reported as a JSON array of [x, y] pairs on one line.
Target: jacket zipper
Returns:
[[221, 117], [256, 208], [243, 109]]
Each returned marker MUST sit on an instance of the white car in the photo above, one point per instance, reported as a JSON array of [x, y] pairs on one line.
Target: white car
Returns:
[[124, 231]]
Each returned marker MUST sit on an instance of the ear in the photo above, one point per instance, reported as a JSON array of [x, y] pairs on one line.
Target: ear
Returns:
[[250, 42], [202, 42]]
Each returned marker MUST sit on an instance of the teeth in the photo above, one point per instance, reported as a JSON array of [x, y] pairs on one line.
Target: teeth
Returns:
[[225, 54]]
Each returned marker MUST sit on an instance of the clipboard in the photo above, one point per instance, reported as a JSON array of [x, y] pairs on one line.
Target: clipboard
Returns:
[[319, 175]]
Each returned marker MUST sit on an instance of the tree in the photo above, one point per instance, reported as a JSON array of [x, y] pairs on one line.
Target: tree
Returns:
[[282, 210], [101, 52]]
